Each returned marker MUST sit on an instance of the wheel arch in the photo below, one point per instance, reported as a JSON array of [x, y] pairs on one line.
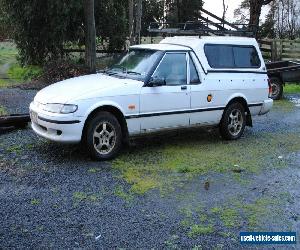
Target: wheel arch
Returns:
[[242, 100], [113, 110]]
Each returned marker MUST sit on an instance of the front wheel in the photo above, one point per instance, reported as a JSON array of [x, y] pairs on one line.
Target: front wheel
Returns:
[[104, 136], [233, 122]]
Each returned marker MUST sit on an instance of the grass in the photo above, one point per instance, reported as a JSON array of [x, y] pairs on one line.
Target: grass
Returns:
[[119, 192], [94, 170], [165, 165], [232, 216], [8, 53], [259, 211], [11, 73], [197, 230], [15, 149], [284, 105], [35, 202], [3, 110], [229, 217], [291, 88], [19, 73], [82, 196]]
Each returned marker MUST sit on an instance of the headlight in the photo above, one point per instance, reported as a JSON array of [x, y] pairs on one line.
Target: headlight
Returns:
[[60, 108]]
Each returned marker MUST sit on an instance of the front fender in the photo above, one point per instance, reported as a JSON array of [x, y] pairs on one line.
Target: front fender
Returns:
[[101, 104]]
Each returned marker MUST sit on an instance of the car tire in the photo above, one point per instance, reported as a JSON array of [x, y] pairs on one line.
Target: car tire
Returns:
[[103, 136], [277, 88], [233, 122]]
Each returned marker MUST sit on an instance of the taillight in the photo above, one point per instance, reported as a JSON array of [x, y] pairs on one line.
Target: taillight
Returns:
[[270, 88]]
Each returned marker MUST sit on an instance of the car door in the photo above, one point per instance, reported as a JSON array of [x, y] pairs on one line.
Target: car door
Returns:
[[167, 106]]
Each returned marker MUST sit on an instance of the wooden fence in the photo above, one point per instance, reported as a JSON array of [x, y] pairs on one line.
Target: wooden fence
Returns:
[[280, 50], [273, 50]]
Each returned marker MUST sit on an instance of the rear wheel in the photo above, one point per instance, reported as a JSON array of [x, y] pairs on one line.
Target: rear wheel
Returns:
[[104, 136], [233, 122], [277, 88]]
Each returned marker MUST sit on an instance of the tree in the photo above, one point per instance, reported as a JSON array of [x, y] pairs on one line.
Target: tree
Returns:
[[225, 8], [255, 12], [268, 28], [287, 22], [138, 20], [130, 21], [253, 7], [112, 22], [90, 35], [241, 14], [41, 28], [4, 23], [180, 11], [153, 11]]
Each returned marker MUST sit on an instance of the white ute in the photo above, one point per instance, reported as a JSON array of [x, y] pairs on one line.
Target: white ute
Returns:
[[180, 82]]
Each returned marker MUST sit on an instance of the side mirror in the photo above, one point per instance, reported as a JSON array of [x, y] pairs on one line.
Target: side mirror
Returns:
[[156, 82]]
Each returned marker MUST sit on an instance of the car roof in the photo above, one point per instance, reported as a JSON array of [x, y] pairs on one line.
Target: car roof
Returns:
[[160, 46], [196, 42], [187, 43]]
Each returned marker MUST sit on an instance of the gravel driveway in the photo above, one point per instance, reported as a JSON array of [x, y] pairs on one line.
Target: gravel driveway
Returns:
[[54, 196]]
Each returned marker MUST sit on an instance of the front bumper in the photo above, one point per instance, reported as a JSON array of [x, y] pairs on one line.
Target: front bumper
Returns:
[[266, 107], [56, 127]]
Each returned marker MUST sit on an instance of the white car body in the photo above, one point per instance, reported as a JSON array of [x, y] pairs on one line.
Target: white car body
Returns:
[[147, 109]]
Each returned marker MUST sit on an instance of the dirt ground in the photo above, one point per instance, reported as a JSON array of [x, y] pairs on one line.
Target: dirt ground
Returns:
[[187, 189]]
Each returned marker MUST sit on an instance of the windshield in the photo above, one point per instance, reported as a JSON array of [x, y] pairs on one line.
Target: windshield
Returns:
[[136, 64]]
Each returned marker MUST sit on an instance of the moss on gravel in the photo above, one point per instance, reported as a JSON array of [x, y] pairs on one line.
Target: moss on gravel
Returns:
[[35, 202], [15, 149], [82, 196], [197, 230], [121, 193], [3, 110], [232, 215], [284, 105], [169, 164]]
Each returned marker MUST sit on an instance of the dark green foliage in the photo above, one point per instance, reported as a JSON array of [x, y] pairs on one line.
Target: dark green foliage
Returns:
[[42, 27], [5, 28], [267, 29], [152, 11], [183, 10], [111, 21]]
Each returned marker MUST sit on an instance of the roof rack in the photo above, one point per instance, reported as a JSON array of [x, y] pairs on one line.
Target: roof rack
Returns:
[[203, 26]]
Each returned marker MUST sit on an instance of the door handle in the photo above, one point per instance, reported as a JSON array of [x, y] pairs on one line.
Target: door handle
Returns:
[[183, 87]]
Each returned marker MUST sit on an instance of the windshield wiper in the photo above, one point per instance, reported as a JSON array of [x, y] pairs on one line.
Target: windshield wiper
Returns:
[[110, 73], [113, 71], [133, 73]]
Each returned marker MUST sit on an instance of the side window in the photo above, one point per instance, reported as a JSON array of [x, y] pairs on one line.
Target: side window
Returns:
[[172, 69], [219, 56], [231, 56], [246, 57], [194, 77]]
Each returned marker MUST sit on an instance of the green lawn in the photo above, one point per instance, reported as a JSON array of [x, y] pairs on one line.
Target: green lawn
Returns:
[[292, 88], [11, 72]]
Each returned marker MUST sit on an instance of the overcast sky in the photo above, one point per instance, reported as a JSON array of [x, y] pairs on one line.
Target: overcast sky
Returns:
[[216, 7]]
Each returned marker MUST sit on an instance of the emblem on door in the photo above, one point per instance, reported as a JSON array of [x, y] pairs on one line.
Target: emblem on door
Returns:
[[209, 98]]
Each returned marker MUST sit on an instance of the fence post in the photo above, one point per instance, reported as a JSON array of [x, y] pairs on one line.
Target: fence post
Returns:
[[273, 51], [281, 49]]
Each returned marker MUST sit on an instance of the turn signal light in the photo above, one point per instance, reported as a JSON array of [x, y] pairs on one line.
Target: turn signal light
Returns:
[[270, 88]]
